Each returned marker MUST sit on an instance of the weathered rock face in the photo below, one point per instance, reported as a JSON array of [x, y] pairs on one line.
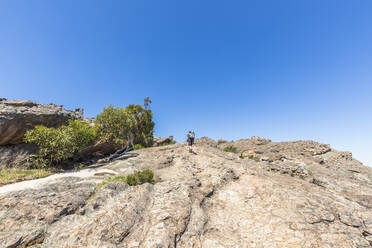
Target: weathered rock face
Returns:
[[98, 150], [162, 141], [35, 210], [289, 194], [15, 155], [16, 117]]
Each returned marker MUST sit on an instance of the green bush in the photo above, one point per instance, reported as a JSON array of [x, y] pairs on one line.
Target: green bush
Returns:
[[82, 133], [138, 146], [117, 179], [254, 158], [145, 176], [79, 166], [126, 127], [56, 145], [141, 177], [132, 180], [230, 149]]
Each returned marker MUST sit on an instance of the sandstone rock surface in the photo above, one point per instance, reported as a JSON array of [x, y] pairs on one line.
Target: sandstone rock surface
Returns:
[[296, 194], [16, 117], [162, 141], [15, 155]]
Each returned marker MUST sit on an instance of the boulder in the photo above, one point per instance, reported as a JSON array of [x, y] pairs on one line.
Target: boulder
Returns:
[[248, 153], [260, 141], [16, 117], [98, 150], [162, 141]]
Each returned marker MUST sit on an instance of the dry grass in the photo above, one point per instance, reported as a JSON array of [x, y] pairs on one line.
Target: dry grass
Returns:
[[16, 175]]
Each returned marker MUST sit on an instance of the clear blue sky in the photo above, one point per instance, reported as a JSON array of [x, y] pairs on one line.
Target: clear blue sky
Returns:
[[285, 70]]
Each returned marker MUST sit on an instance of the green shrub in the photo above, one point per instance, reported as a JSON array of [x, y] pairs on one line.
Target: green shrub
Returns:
[[145, 176], [230, 149], [56, 145], [126, 127], [117, 179], [82, 133], [79, 166], [254, 158], [111, 124], [132, 180], [138, 146], [141, 177]]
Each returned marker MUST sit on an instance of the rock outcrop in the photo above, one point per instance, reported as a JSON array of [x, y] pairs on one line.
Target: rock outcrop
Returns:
[[163, 141], [288, 194], [16, 117]]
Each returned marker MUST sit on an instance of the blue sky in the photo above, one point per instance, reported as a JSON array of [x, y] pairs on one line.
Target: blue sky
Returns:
[[284, 70]]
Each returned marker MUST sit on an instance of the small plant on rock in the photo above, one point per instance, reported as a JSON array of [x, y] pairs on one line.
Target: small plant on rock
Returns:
[[145, 176], [79, 166], [253, 157], [138, 147], [140, 177], [132, 180], [230, 148]]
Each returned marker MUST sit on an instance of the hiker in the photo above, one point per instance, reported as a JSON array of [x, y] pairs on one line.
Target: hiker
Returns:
[[190, 138]]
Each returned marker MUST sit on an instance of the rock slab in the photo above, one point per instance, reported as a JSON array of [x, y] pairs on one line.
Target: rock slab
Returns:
[[304, 194]]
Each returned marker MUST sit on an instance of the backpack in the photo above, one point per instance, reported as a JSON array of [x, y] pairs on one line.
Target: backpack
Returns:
[[191, 135]]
